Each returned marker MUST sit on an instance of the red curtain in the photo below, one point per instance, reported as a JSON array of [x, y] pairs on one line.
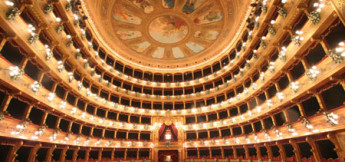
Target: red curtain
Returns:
[[164, 128], [174, 129], [173, 154], [161, 130]]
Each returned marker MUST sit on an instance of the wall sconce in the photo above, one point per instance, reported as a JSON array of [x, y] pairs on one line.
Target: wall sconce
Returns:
[[262, 43], [15, 72], [331, 118], [48, 8], [297, 38], [264, 6], [282, 12], [267, 136], [271, 66], [55, 134], [338, 53], [271, 29], [247, 139], [60, 66], [262, 76], [49, 53], [98, 142], [315, 16], [282, 54], [277, 132], [51, 97], [39, 132], [35, 86], [280, 96], [87, 141], [59, 29], [74, 110], [80, 85], [307, 123], [237, 140], [290, 128], [12, 13], [83, 114], [294, 86], [70, 77], [312, 73], [269, 103], [63, 105], [34, 37], [191, 143], [21, 127]]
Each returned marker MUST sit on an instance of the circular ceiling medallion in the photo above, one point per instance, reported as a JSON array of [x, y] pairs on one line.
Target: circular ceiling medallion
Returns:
[[168, 29], [167, 34]]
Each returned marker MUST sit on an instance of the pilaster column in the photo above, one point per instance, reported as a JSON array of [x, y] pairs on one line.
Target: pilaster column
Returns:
[[333, 138], [69, 127], [112, 154], [44, 117], [33, 151], [197, 149], [91, 131], [49, 154], [57, 123], [210, 152], [27, 112], [269, 151], [246, 151], [314, 148], [258, 152], [5, 102], [281, 150], [274, 121], [63, 154], [234, 151], [75, 154], [150, 155], [87, 154], [296, 150], [100, 154], [2, 43], [287, 118], [222, 152], [12, 154]]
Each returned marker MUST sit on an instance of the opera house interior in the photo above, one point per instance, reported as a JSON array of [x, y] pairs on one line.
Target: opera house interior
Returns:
[[172, 80]]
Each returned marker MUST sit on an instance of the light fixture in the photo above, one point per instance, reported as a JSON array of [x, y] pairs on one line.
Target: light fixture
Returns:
[[338, 53], [74, 110], [312, 73], [307, 123], [294, 86], [51, 97], [331, 118], [15, 72], [298, 38], [49, 53], [280, 96], [9, 3], [35, 86], [60, 66]]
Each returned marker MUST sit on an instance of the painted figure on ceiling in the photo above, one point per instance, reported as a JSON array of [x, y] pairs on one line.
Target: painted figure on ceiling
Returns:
[[188, 7], [169, 3], [144, 5]]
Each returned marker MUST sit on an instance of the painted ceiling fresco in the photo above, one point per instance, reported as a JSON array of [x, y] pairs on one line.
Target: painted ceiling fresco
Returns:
[[172, 31], [167, 34]]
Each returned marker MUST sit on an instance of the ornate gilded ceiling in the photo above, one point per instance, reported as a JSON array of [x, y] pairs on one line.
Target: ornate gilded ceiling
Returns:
[[166, 34]]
